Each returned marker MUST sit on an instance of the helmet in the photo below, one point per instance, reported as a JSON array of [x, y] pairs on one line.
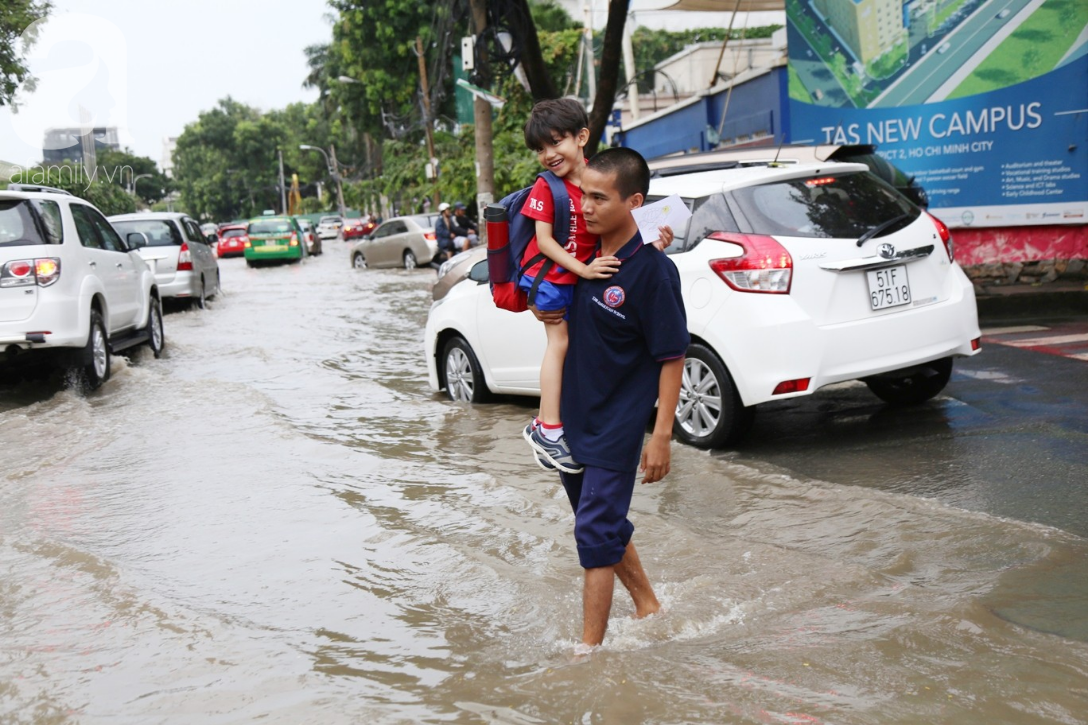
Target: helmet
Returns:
[[443, 206]]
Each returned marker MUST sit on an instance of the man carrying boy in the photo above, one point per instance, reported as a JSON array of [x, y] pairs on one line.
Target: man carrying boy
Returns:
[[557, 131], [628, 335]]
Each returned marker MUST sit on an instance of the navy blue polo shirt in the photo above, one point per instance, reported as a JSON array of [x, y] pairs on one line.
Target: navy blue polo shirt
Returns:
[[621, 330]]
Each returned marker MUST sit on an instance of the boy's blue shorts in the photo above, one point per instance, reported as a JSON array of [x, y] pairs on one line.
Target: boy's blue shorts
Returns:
[[601, 499], [549, 297]]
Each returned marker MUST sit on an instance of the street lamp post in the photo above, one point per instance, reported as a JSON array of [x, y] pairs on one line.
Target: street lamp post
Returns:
[[333, 171]]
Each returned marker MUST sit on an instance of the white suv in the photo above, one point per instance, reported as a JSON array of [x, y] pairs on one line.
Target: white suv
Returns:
[[70, 284], [793, 278]]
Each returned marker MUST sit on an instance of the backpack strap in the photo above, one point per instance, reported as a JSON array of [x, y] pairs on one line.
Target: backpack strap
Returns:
[[560, 206]]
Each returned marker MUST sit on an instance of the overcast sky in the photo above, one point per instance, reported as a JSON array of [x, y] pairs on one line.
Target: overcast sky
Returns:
[[150, 67]]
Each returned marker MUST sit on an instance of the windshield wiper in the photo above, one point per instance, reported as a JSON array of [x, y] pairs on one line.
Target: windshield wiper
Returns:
[[886, 225]]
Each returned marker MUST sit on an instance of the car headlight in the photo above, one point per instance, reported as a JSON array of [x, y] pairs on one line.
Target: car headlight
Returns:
[[444, 268]]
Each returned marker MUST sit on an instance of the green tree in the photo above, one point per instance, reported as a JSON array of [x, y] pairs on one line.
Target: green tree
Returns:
[[211, 171], [121, 167], [16, 19]]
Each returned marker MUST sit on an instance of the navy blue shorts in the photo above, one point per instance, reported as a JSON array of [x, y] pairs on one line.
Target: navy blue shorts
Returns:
[[601, 499], [549, 297]]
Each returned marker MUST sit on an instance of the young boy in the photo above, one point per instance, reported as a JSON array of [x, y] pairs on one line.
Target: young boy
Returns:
[[557, 130], [628, 337]]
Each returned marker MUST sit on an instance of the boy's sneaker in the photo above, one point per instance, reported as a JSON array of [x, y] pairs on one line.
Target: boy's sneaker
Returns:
[[541, 460], [556, 452]]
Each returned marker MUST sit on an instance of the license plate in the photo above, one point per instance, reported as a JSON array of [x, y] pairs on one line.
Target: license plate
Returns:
[[888, 287], [272, 243]]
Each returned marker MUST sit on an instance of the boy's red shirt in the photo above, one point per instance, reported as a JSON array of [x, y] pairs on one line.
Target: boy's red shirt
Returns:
[[580, 244]]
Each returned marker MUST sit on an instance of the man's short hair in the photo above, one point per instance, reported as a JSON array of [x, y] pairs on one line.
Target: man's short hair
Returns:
[[554, 117], [630, 169]]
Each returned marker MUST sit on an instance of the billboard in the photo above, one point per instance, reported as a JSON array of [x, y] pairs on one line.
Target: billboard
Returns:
[[985, 102]]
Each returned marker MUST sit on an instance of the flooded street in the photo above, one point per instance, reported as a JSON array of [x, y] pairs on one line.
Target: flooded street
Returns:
[[279, 521]]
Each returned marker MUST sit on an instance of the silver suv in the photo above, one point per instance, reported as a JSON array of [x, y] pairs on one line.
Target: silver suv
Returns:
[[71, 285]]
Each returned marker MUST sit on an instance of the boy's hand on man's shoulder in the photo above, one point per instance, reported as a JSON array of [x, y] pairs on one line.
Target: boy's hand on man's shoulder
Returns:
[[602, 268]]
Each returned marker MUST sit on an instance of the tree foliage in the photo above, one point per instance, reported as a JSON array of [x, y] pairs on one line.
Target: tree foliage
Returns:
[[16, 16]]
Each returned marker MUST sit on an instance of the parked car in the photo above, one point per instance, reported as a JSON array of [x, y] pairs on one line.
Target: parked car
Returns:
[[357, 229], [272, 238], [313, 242], [793, 277], [329, 227], [184, 263], [455, 269], [406, 241], [794, 154], [232, 241], [70, 285]]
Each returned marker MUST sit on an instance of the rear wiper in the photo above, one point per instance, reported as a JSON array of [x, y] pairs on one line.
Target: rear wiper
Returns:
[[886, 225]]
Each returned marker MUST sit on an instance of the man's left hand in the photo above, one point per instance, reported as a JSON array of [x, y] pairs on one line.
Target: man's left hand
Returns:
[[655, 459]]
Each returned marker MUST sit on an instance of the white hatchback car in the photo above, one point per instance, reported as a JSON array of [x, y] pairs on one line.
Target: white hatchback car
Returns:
[[185, 264], [70, 284], [793, 278]]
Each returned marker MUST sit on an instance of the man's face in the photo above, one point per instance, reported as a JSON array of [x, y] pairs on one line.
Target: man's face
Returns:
[[602, 206]]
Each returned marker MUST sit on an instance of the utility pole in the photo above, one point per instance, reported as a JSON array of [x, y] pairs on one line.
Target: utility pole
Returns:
[[427, 116], [481, 110], [587, 45], [629, 65], [336, 178], [283, 188]]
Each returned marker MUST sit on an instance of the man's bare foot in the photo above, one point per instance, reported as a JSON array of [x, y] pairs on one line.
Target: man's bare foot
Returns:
[[647, 609]]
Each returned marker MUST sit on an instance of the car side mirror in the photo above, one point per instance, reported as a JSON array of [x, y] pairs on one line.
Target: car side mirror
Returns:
[[135, 240], [478, 273], [212, 238]]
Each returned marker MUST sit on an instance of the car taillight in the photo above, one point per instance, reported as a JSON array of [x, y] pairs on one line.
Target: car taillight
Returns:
[[294, 239], [429, 236], [799, 385], [946, 237], [247, 243], [47, 271], [185, 258], [28, 272], [765, 266], [243, 240]]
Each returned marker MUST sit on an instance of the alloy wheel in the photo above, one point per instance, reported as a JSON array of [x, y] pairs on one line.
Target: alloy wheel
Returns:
[[700, 406], [459, 381]]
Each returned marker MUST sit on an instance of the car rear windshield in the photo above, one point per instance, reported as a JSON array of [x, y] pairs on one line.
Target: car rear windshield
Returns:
[[232, 233], [836, 205], [159, 232], [270, 226], [30, 221], [330, 220]]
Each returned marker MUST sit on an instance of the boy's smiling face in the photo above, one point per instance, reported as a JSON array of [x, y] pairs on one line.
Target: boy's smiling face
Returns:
[[563, 154]]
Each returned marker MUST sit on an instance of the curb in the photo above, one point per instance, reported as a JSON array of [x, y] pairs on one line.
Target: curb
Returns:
[[1026, 302]]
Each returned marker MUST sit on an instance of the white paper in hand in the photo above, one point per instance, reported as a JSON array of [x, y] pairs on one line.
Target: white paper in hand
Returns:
[[670, 211]]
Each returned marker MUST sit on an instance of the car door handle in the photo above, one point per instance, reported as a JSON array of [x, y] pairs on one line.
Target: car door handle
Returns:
[[93, 264], [120, 266]]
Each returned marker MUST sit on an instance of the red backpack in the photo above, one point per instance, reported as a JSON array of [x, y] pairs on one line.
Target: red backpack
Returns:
[[508, 235]]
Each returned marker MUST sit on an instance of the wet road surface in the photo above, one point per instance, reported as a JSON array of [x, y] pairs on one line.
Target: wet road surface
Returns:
[[279, 521]]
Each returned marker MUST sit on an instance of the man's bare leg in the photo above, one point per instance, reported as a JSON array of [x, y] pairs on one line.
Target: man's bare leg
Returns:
[[597, 603], [634, 578]]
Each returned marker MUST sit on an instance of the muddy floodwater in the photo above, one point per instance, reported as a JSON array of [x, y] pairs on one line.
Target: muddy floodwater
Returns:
[[279, 522]]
